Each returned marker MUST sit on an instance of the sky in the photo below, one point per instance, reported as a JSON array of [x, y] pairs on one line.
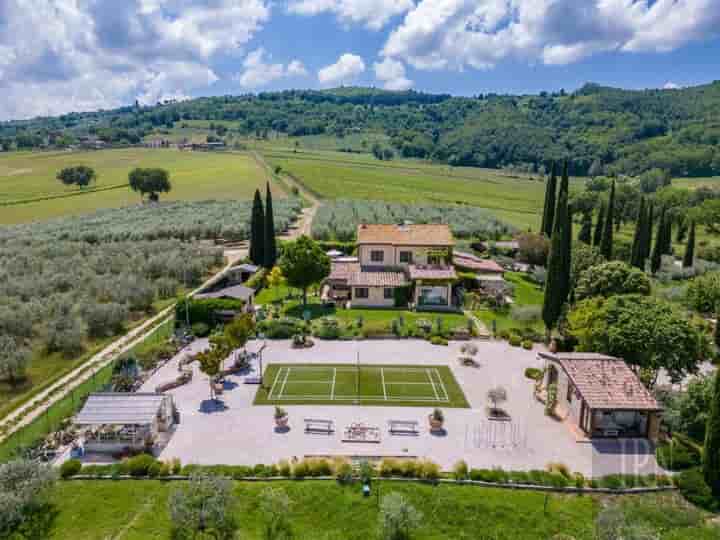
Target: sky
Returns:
[[58, 56]]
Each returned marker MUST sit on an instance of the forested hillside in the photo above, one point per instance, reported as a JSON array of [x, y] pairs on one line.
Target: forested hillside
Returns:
[[599, 129]]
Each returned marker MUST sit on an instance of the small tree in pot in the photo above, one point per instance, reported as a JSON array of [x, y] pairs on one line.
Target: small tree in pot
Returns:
[[281, 417], [497, 396], [437, 419]]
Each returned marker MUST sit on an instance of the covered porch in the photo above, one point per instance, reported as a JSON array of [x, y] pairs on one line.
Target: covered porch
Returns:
[[433, 287]]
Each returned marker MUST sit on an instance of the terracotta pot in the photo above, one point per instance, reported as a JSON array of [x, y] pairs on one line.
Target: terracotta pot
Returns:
[[281, 421], [435, 424]]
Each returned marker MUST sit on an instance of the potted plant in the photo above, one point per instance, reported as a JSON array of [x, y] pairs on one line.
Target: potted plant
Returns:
[[281, 417], [437, 418]]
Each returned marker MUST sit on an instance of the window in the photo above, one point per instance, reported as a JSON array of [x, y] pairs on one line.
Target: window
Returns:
[[434, 259], [377, 255], [389, 293], [362, 292], [406, 257]]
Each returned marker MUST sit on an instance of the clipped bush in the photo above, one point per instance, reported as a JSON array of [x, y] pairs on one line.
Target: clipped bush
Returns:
[[70, 468], [428, 470], [175, 465], [139, 465], [527, 344], [284, 469], [154, 469], [515, 340], [300, 470], [200, 329], [164, 471], [438, 340], [460, 470], [692, 486], [344, 473], [535, 374]]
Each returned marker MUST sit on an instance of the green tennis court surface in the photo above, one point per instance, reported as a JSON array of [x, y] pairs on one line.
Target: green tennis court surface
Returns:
[[350, 384]]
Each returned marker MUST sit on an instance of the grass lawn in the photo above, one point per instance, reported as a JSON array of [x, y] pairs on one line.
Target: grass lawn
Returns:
[[342, 384], [194, 176], [130, 510], [514, 198], [526, 293]]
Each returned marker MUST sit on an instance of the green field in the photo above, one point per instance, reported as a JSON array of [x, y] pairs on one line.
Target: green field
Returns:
[[194, 175], [129, 510], [514, 198], [350, 384]]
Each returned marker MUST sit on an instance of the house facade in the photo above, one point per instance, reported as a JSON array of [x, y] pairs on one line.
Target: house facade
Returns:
[[397, 265], [601, 395]]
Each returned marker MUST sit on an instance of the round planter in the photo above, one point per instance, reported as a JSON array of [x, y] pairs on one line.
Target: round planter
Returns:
[[281, 422], [435, 425]]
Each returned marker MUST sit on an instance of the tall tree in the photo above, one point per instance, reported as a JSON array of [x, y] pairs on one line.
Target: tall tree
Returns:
[[152, 181], [585, 235], [549, 210], [606, 242], [269, 244], [566, 215], [689, 256], [557, 282], [257, 231], [711, 455], [303, 263], [636, 258], [597, 235], [657, 252], [647, 240]]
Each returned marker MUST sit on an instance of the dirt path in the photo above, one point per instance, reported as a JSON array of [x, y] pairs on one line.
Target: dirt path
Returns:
[[304, 224], [39, 403]]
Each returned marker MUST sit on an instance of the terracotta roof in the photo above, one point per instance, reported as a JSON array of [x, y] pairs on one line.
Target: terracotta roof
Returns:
[[605, 382], [431, 272], [429, 234], [477, 264], [342, 271], [371, 277]]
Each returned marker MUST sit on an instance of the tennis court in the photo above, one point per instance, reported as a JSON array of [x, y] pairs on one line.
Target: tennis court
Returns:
[[348, 384]]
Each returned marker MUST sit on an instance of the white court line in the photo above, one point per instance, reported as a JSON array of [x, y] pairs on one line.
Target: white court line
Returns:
[[332, 390], [442, 385], [282, 388], [437, 396], [272, 388], [382, 376]]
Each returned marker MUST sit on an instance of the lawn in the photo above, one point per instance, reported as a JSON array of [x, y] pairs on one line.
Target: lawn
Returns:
[[526, 293], [514, 198], [194, 176], [130, 510], [350, 384]]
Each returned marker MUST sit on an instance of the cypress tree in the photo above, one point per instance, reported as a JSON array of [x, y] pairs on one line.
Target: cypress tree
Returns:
[[689, 256], [647, 237], [546, 227], [637, 245], [606, 242], [597, 235], [657, 252], [557, 283], [711, 455], [585, 235], [269, 232], [257, 231], [667, 236]]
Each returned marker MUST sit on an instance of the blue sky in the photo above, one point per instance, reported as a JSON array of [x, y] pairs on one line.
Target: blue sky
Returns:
[[94, 54]]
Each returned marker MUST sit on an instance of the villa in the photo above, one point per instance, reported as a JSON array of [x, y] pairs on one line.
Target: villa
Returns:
[[398, 265]]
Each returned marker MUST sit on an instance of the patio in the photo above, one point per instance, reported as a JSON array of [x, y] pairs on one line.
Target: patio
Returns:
[[233, 431]]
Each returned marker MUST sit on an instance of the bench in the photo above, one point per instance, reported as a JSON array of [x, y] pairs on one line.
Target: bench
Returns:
[[252, 379], [403, 427], [315, 425]]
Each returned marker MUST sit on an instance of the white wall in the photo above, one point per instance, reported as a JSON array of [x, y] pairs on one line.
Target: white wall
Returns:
[[376, 298]]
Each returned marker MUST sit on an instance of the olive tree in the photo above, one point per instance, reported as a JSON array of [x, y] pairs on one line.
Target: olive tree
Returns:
[[149, 181], [203, 506], [274, 508], [14, 360], [81, 176], [23, 486], [610, 278], [398, 518]]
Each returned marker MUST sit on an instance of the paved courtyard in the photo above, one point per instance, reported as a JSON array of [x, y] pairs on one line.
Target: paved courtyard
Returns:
[[237, 432]]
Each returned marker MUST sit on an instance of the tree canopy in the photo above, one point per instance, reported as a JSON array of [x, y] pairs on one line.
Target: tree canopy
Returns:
[[151, 181], [80, 175], [647, 332], [610, 278], [304, 263]]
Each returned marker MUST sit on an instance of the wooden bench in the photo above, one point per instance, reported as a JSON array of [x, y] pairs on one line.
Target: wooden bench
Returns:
[[315, 425], [403, 427]]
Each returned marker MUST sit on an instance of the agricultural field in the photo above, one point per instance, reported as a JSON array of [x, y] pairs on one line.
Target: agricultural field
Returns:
[[322, 509], [513, 198], [194, 175], [338, 219], [350, 384]]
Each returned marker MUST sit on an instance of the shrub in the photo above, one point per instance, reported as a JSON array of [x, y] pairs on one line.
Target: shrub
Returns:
[[409, 468], [284, 469], [691, 484], [677, 456], [139, 465], [535, 374], [613, 481], [503, 334], [527, 344], [389, 467], [154, 469], [557, 467], [70, 468], [283, 328], [438, 340], [344, 473], [460, 470], [175, 465], [300, 470], [200, 329], [164, 471], [428, 470], [515, 340], [578, 480], [319, 467], [327, 328]]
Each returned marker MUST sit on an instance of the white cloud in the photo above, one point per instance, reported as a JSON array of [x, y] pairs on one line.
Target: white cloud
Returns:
[[345, 70], [258, 73], [453, 34], [671, 86], [392, 74], [372, 13], [58, 56]]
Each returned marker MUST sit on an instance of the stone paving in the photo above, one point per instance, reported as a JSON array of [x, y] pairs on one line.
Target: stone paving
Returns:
[[234, 431]]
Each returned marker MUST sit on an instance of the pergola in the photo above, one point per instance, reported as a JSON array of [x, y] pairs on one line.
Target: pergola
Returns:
[[114, 421]]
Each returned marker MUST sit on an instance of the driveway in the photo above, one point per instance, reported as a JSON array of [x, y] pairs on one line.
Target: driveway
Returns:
[[237, 432]]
